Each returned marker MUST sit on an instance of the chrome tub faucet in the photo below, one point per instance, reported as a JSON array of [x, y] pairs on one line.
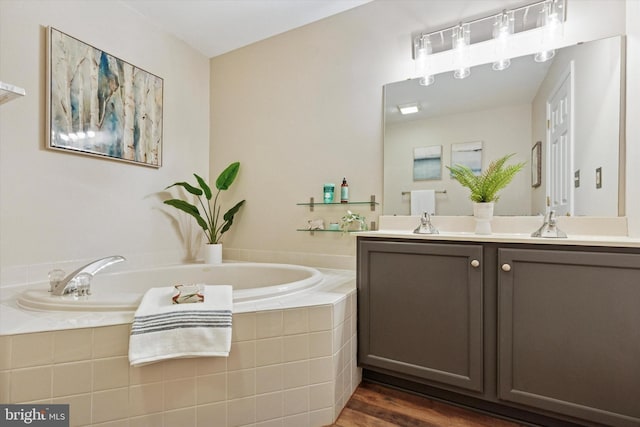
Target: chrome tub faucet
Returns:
[[79, 281]]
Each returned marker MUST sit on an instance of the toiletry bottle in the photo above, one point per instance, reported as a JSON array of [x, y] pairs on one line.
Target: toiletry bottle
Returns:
[[328, 192], [344, 191]]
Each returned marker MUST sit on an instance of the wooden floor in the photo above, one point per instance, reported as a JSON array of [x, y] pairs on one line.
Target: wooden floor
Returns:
[[373, 405]]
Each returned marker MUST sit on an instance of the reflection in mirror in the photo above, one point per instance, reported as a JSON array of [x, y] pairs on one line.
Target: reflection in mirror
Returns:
[[578, 94]]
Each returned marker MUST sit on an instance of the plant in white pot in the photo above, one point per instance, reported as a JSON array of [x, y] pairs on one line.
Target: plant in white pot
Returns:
[[485, 187], [212, 225], [353, 221]]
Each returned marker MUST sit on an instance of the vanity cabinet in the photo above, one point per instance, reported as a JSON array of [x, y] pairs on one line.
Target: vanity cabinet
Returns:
[[569, 333], [546, 333], [420, 311]]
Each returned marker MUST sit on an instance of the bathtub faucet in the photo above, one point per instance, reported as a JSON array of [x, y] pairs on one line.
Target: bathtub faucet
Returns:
[[79, 280]]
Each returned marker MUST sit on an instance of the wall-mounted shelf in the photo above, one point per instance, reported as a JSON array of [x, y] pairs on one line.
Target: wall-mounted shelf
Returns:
[[325, 231], [9, 92], [312, 203]]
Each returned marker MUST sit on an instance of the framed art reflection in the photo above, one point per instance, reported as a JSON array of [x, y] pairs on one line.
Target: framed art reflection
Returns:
[[536, 165]]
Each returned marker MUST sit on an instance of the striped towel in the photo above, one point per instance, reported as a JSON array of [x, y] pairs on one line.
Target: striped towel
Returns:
[[163, 330]]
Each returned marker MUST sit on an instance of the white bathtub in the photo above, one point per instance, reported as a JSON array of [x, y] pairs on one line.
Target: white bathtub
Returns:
[[123, 291], [309, 311]]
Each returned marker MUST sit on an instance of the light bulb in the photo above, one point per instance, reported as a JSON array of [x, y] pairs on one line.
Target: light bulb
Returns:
[[423, 51], [502, 30], [551, 23], [427, 80], [461, 38]]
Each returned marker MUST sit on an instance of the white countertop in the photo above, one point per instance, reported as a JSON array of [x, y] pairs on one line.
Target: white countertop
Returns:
[[572, 240], [581, 231]]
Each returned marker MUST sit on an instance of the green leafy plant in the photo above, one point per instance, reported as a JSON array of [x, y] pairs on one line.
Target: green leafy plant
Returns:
[[484, 187], [211, 224], [351, 218]]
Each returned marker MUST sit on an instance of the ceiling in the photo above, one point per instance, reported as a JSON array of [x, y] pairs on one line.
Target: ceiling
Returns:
[[214, 27]]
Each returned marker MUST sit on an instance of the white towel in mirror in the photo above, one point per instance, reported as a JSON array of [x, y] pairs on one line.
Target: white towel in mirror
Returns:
[[423, 201]]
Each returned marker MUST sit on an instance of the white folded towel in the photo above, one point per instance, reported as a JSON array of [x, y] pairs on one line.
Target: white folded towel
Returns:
[[163, 330], [423, 201]]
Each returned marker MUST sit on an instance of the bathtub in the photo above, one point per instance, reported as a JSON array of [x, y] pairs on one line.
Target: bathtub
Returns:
[[292, 359], [123, 291], [115, 296]]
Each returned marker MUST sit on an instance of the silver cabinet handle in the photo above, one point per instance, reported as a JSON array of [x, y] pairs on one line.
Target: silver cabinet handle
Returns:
[[506, 267], [475, 263]]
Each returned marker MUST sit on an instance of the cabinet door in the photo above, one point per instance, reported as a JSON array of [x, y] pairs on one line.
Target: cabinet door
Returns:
[[569, 333], [420, 311]]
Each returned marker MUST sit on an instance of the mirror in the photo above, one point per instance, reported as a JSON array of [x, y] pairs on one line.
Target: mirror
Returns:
[[576, 166]]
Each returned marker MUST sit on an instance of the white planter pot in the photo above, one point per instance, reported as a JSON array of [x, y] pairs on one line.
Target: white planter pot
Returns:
[[213, 253], [483, 214]]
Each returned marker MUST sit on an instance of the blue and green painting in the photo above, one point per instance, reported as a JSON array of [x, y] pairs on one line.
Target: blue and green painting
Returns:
[[102, 105]]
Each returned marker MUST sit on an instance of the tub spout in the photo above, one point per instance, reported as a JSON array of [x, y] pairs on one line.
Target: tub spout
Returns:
[[69, 283]]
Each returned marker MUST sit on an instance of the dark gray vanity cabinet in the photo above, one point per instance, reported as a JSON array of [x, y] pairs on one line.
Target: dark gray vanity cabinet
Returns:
[[420, 311], [545, 333], [569, 333]]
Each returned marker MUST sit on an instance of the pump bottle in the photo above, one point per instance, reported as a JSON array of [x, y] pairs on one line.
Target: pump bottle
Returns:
[[344, 191]]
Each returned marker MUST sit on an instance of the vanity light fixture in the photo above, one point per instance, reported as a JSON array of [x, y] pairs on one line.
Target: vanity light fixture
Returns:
[[422, 53], [502, 31], [498, 27], [551, 23], [408, 109], [461, 39]]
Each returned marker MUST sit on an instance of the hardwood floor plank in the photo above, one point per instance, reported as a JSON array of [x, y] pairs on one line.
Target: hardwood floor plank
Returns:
[[394, 417], [353, 418], [426, 409], [374, 405]]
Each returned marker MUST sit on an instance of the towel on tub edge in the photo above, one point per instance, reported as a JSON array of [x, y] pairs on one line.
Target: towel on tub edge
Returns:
[[163, 330]]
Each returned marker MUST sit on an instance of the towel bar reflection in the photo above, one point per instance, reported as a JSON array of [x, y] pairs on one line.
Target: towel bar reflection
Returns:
[[404, 193]]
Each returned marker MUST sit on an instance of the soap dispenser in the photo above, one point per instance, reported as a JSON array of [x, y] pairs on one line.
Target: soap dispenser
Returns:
[[344, 191]]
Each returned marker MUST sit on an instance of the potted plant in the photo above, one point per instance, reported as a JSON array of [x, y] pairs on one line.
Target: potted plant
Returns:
[[353, 221], [485, 187], [212, 225]]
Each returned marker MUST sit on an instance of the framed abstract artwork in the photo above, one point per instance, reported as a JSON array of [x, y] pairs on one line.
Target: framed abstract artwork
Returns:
[[100, 105], [468, 154], [427, 163]]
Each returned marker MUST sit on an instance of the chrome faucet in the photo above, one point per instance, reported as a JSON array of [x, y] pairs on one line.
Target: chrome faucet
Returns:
[[425, 226], [549, 228], [79, 280]]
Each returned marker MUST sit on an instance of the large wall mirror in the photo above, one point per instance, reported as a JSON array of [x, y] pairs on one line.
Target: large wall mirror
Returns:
[[571, 104]]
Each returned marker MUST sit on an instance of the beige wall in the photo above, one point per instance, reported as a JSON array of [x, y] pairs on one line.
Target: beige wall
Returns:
[[297, 110], [305, 107], [58, 206]]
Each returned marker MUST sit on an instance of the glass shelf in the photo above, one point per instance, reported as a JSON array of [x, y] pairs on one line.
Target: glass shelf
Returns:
[[334, 203], [326, 231], [331, 231], [312, 204]]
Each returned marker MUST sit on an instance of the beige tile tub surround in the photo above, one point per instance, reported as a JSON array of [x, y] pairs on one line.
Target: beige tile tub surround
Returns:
[[293, 367]]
